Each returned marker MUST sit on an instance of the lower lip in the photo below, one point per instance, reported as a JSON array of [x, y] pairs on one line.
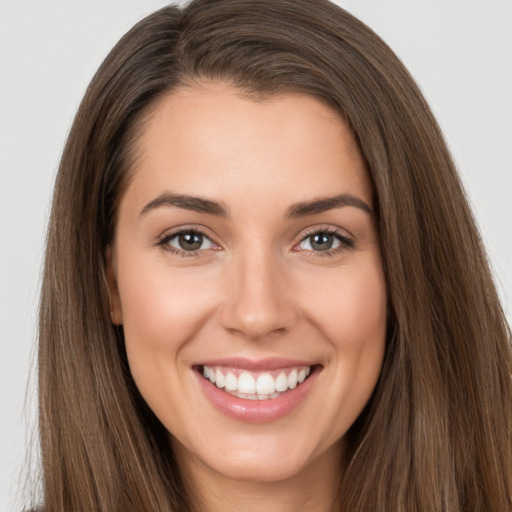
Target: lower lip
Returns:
[[257, 411]]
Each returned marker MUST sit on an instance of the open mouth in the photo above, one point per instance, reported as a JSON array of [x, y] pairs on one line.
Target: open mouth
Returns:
[[265, 385]]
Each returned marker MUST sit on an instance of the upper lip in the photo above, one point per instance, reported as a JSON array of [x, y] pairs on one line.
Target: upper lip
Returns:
[[255, 365]]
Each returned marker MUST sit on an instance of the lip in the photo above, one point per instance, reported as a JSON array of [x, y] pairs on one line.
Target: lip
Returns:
[[256, 411], [259, 365]]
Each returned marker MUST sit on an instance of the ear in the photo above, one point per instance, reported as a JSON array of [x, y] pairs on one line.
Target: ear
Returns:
[[116, 312]]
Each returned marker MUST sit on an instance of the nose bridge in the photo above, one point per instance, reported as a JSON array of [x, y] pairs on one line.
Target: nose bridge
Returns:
[[258, 301]]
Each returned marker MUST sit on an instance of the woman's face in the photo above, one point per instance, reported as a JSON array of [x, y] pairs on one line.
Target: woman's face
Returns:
[[246, 250]]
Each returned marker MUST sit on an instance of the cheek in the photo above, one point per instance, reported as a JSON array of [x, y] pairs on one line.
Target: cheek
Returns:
[[162, 310], [161, 307], [351, 308], [352, 315]]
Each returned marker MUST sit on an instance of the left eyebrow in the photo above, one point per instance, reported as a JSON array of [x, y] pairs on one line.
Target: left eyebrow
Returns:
[[324, 204]]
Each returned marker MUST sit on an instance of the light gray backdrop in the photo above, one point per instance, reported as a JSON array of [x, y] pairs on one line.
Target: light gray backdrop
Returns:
[[460, 52]]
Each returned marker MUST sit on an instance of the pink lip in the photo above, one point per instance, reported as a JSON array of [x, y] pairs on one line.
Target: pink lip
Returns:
[[259, 365], [256, 411]]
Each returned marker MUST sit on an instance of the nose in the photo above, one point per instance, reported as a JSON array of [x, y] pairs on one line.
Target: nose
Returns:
[[259, 299]]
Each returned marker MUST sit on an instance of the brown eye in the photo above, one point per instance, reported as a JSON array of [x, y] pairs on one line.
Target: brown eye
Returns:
[[188, 241], [320, 242], [325, 241]]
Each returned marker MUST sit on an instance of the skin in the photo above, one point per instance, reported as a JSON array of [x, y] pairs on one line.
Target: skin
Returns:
[[257, 288]]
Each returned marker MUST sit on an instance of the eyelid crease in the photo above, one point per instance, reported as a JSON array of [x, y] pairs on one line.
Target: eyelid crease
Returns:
[[191, 227]]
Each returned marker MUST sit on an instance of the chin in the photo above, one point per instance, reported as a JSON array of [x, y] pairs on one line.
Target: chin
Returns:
[[259, 458], [252, 467]]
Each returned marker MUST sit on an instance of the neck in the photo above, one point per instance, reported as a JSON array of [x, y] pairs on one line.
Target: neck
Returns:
[[314, 488]]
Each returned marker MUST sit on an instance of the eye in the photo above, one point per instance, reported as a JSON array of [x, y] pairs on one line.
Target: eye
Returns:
[[186, 241], [325, 241]]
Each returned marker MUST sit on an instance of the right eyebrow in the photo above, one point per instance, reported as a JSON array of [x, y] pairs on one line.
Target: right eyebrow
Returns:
[[186, 202]]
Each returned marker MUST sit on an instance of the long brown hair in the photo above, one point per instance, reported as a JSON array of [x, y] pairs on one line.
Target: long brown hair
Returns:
[[436, 434]]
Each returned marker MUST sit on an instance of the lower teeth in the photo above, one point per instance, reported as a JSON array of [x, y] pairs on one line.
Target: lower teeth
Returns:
[[248, 396]]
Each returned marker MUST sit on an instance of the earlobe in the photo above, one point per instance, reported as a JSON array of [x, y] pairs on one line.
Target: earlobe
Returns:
[[116, 313]]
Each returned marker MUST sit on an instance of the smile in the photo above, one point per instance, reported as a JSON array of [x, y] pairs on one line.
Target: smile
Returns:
[[256, 391], [256, 385]]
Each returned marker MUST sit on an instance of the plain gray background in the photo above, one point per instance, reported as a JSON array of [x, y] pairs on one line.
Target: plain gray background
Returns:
[[460, 52]]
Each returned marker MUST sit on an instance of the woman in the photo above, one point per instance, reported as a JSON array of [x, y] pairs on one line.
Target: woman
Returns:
[[264, 289]]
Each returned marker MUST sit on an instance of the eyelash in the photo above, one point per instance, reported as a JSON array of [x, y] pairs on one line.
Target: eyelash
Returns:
[[345, 242], [164, 240]]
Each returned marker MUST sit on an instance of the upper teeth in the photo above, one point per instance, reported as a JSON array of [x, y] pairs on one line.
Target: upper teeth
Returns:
[[256, 385]]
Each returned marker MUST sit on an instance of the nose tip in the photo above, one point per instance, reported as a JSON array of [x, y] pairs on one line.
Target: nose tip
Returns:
[[258, 302]]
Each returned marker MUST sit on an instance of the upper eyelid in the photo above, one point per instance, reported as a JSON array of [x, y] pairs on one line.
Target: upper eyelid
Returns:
[[343, 233], [172, 232]]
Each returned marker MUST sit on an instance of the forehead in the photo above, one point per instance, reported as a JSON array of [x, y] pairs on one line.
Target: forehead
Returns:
[[210, 140]]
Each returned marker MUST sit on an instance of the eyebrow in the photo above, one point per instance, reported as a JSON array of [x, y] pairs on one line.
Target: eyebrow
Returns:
[[324, 204], [303, 209], [186, 202]]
